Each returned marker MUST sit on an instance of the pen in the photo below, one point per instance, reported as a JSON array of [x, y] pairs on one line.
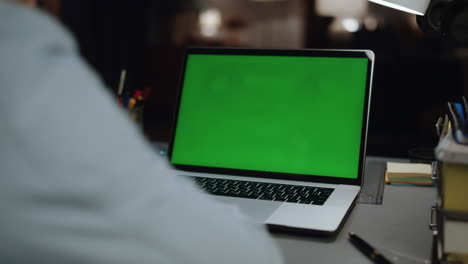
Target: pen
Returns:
[[460, 131], [123, 74], [465, 109], [439, 127], [461, 113], [367, 249], [446, 126]]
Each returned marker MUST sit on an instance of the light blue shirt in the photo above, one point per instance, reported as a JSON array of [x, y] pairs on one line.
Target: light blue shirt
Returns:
[[79, 184]]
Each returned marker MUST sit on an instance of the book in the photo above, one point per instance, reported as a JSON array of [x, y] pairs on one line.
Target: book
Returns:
[[400, 173]]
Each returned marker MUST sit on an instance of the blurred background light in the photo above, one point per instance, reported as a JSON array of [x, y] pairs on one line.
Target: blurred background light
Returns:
[[210, 22], [350, 24], [370, 23]]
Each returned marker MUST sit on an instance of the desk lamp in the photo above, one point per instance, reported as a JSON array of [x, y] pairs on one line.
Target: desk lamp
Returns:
[[445, 18]]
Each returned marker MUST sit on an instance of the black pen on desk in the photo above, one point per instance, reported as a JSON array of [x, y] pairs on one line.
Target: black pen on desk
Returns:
[[367, 249]]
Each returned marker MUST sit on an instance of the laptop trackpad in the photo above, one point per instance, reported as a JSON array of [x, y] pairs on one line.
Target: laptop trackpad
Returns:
[[257, 210]]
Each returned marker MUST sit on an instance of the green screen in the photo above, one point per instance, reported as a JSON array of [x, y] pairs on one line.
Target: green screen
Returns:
[[287, 114]]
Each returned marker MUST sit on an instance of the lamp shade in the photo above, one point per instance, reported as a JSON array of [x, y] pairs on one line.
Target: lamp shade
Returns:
[[417, 7]]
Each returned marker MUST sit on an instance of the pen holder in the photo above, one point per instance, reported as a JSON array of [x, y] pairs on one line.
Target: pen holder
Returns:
[[134, 104]]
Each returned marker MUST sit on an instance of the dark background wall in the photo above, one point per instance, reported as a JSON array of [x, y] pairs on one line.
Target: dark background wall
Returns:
[[111, 36], [414, 74]]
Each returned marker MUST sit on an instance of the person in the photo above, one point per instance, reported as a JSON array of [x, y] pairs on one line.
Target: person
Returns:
[[79, 182]]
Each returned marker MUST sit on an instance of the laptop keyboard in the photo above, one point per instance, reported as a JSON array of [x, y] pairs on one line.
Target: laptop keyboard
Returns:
[[264, 191]]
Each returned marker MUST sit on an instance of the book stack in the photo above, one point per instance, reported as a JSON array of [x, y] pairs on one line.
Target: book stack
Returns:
[[399, 173], [452, 202]]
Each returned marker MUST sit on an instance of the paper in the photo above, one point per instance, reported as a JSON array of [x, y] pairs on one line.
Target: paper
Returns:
[[410, 169]]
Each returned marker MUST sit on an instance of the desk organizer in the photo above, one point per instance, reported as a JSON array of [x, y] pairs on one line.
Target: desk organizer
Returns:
[[450, 212]]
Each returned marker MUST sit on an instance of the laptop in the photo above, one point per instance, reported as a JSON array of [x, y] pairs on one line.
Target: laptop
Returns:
[[279, 133]]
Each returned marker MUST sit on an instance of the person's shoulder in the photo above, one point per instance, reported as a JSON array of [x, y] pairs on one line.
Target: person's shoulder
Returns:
[[31, 26]]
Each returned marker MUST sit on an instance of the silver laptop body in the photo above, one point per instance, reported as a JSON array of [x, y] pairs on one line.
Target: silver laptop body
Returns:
[[281, 117]]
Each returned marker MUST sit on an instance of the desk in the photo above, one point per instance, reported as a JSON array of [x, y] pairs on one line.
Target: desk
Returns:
[[400, 223]]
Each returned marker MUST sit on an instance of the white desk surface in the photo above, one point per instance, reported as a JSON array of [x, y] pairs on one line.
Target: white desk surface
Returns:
[[400, 224]]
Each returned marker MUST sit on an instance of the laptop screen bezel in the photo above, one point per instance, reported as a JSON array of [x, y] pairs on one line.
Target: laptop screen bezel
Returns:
[[276, 52]]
